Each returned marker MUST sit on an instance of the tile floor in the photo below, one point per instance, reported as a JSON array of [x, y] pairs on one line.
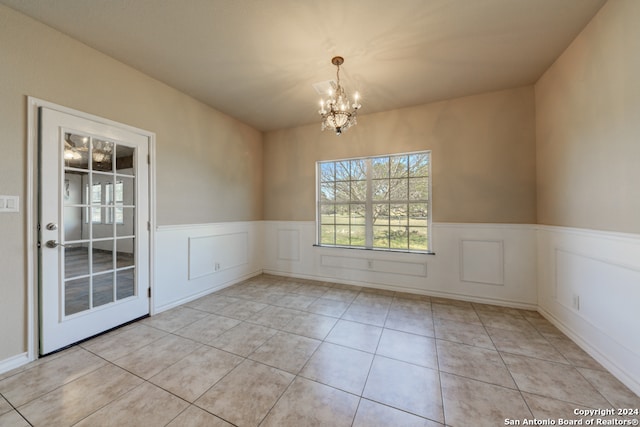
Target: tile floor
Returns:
[[275, 351]]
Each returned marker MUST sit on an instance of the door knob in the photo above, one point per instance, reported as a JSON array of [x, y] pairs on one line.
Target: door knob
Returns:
[[52, 226], [53, 244]]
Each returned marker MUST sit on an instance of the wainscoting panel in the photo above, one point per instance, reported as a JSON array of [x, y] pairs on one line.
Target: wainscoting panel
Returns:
[[490, 263], [194, 260], [482, 261], [589, 286]]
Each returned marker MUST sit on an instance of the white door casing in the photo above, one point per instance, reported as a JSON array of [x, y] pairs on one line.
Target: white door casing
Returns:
[[94, 234]]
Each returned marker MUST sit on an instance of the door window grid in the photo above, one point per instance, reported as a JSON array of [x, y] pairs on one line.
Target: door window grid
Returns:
[[110, 272]]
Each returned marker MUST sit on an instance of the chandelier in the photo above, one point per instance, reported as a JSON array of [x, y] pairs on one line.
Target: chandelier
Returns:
[[337, 112]]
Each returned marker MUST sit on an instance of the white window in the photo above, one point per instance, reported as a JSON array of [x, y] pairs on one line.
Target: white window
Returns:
[[375, 202], [96, 199]]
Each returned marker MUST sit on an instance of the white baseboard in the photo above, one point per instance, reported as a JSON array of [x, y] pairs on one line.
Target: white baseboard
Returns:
[[14, 362]]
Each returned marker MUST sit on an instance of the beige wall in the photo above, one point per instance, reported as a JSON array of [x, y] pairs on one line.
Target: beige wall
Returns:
[[483, 157], [209, 166], [588, 126]]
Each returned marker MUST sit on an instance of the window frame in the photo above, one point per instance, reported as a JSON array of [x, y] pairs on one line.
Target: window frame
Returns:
[[369, 203]]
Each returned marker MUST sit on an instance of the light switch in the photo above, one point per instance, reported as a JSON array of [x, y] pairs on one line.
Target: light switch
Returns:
[[9, 203]]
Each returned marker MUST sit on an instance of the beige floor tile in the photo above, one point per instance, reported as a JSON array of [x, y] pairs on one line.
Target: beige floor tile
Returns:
[[405, 296], [410, 319], [328, 307], [44, 377], [315, 291], [212, 303], [405, 386], [459, 313], [370, 314], [145, 405], [526, 343], [174, 319], [355, 335], [373, 299], [343, 295], [190, 377], [196, 417], [450, 301], [307, 403], [4, 406], [74, 401], [473, 362], [125, 340], [274, 317], [242, 309], [556, 380], [547, 408], [246, 394], [545, 327], [157, 356], [373, 414], [613, 390], [464, 333], [291, 300], [469, 402], [411, 348], [243, 339], [311, 325], [488, 308], [13, 419], [506, 321], [574, 354], [340, 367], [286, 351], [208, 329]]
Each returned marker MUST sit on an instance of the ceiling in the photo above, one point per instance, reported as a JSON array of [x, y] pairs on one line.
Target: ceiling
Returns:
[[256, 60]]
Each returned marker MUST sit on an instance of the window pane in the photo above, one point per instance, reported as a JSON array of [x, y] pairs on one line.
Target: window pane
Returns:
[[342, 235], [398, 238], [418, 189], [380, 236], [327, 234], [125, 256], [398, 215], [125, 191], [125, 280], [357, 214], [399, 189], [358, 169], [328, 192], [399, 166], [342, 171], [125, 222], [357, 235], [327, 172], [380, 189], [380, 167], [342, 214], [359, 191], [327, 214], [418, 214], [381, 214], [102, 155], [102, 289], [343, 191], [419, 165], [418, 239], [76, 295], [124, 160], [76, 151]]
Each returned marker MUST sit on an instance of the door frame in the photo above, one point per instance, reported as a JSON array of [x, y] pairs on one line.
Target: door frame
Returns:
[[32, 209]]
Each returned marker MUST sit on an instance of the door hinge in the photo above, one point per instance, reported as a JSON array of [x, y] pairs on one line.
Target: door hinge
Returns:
[[148, 159], [149, 292], [148, 226]]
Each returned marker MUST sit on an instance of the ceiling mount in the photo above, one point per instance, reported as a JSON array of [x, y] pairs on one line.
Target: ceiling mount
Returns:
[[337, 60]]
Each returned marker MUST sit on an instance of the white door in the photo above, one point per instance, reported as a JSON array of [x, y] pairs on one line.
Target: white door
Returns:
[[93, 221]]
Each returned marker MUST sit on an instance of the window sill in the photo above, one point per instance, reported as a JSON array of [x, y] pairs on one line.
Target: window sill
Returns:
[[396, 251]]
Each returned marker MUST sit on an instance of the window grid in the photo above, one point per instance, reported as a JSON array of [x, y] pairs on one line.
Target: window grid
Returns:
[[375, 202]]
